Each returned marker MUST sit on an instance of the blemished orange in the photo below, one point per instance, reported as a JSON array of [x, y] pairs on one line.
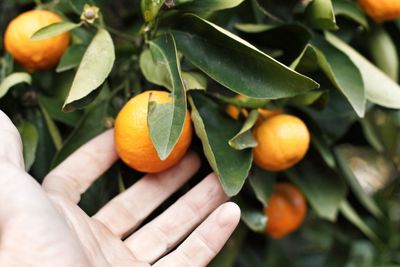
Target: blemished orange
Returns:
[[283, 140], [286, 210], [34, 55], [132, 137], [382, 10]]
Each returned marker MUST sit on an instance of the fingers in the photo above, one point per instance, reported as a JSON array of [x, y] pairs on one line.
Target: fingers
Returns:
[[75, 175], [10, 143], [128, 210], [166, 231], [206, 241]]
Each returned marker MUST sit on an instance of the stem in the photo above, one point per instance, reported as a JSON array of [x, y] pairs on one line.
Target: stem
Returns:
[[38, 2]]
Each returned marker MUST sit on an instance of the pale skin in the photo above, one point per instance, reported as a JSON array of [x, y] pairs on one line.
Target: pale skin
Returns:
[[42, 225]]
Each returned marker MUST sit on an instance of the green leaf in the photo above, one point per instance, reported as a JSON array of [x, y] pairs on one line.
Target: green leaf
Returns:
[[215, 128], [307, 98], [53, 130], [254, 218], [166, 120], [207, 5], [158, 74], [45, 148], [342, 72], [262, 183], [30, 140], [93, 70], [350, 214], [366, 172], [235, 63], [384, 52], [320, 15], [253, 28], [91, 125], [244, 138], [14, 79], [277, 9], [53, 107], [194, 81], [350, 10], [71, 58], [150, 8], [379, 88], [54, 30], [323, 187]]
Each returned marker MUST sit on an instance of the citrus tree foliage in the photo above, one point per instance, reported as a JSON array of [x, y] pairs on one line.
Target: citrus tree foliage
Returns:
[[323, 60]]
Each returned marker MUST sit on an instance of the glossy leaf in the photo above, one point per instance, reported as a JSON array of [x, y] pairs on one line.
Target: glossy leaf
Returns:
[[323, 188], [30, 140], [350, 10], [384, 52], [235, 63], [158, 74], [244, 138], [342, 72], [262, 183], [207, 5], [71, 58], [379, 88], [366, 173], [94, 68], [14, 79], [166, 120], [320, 15], [232, 166], [54, 30]]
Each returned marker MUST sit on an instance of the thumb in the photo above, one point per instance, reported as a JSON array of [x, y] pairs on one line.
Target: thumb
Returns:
[[10, 143]]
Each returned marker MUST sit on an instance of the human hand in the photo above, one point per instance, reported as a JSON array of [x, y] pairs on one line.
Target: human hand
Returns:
[[43, 226]]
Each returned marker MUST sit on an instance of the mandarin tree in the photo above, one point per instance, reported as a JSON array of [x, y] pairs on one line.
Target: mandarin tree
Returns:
[[293, 104]]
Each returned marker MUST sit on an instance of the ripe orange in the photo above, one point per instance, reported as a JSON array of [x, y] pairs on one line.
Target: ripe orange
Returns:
[[31, 54], [283, 140], [234, 112], [286, 210], [381, 10], [132, 137]]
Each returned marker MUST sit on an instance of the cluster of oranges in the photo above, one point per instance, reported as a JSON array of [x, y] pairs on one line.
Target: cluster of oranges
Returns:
[[283, 139]]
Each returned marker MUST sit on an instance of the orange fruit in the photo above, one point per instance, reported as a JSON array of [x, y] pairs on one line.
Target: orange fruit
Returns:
[[381, 10], [285, 209], [34, 55], [132, 136], [234, 112], [283, 140]]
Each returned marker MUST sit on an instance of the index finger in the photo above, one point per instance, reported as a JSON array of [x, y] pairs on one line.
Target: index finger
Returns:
[[10, 142]]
